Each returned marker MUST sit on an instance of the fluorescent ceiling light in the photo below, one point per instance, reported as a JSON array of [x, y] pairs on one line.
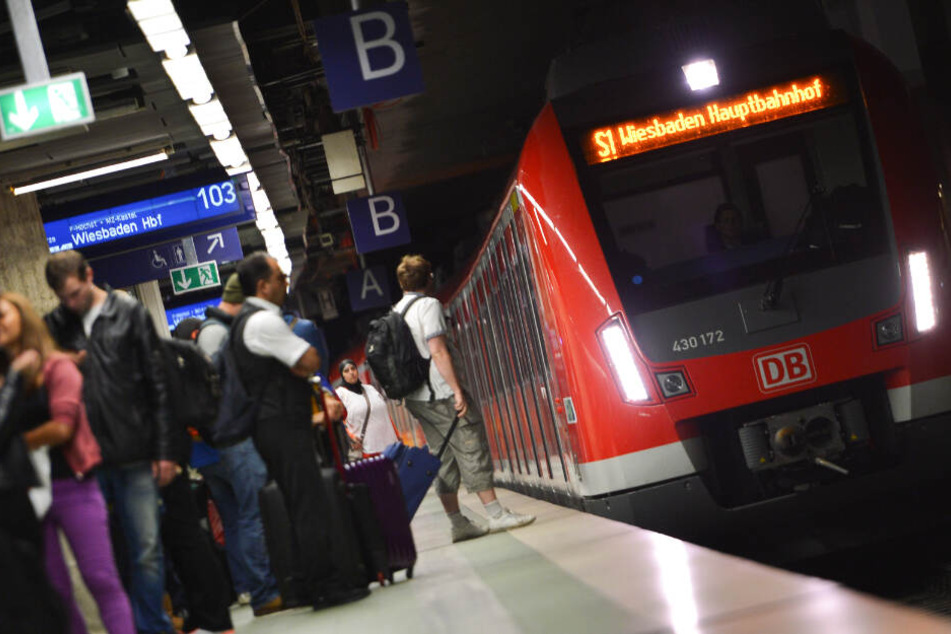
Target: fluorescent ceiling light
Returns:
[[145, 9], [174, 43], [189, 78], [99, 171], [212, 120], [229, 152], [244, 168], [702, 74], [161, 24]]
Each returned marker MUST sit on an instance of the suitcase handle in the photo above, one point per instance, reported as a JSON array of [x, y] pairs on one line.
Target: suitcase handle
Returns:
[[445, 444]]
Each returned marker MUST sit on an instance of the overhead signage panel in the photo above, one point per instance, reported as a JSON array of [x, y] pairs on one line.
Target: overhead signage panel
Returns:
[[368, 288], [378, 222], [58, 103], [628, 138], [155, 262], [369, 56], [221, 202]]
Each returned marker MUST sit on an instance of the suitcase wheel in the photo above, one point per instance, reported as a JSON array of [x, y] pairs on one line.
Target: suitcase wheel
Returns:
[[382, 579]]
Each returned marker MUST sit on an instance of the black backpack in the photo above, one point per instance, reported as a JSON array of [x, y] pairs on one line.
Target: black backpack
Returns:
[[238, 409], [194, 388], [394, 357]]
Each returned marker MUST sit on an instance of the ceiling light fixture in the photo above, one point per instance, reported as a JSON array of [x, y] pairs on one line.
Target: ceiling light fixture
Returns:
[[93, 173], [163, 29], [229, 151], [212, 120], [189, 78]]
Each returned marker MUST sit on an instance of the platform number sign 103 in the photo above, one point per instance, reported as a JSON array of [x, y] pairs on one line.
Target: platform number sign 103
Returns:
[[217, 195]]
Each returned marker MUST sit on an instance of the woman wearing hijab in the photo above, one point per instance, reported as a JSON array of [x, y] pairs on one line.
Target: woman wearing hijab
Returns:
[[368, 420]]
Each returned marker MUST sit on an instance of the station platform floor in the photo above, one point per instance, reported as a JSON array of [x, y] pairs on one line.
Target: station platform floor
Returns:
[[576, 572]]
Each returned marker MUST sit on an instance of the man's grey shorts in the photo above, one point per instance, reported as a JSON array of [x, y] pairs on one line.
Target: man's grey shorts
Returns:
[[467, 458]]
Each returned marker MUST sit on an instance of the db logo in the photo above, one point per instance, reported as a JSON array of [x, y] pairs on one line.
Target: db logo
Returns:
[[782, 368]]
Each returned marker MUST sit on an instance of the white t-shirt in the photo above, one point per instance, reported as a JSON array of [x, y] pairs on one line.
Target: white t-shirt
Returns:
[[379, 428], [425, 321], [267, 334], [91, 316]]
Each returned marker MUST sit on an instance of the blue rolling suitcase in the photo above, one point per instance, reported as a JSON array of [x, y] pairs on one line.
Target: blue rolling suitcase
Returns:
[[417, 469]]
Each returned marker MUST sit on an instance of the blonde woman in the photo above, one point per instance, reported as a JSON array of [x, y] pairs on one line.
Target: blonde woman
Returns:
[[54, 416]]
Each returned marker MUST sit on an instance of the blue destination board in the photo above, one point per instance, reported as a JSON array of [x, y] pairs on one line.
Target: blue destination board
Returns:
[[176, 315], [215, 204]]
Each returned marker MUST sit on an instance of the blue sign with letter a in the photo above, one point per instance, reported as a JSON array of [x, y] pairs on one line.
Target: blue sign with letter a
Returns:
[[369, 56], [368, 288], [378, 222]]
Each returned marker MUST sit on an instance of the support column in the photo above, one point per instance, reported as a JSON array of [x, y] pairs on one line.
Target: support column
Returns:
[[23, 250], [150, 296]]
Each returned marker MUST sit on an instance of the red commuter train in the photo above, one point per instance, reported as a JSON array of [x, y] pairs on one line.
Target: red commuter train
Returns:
[[707, 308]]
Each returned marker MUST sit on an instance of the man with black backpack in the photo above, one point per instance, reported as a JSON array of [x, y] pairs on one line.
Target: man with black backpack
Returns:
[[237, 476], [438, 399]]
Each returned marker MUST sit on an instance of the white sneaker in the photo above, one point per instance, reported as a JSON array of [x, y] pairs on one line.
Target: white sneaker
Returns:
[[244, 598], [469, 530], [509, 519]]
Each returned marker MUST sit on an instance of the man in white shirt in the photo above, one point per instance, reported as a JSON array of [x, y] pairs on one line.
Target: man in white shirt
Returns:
[[467, 459], [274, 364]]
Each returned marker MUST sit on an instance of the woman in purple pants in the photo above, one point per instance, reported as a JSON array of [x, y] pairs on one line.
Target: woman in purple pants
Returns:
[[54, 407]]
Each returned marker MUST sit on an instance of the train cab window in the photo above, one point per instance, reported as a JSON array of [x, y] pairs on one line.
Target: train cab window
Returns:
[[779, 199]]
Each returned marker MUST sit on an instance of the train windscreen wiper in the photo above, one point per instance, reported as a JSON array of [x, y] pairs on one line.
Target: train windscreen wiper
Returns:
[[774, 288]]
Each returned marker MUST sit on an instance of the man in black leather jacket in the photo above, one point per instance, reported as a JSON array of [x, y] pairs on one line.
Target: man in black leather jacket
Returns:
[[113, 339]]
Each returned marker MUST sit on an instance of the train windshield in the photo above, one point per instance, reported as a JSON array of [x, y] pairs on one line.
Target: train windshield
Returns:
[[738, 209]]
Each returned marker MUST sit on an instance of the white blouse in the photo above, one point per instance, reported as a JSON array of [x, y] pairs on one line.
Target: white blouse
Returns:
[[379, 432]]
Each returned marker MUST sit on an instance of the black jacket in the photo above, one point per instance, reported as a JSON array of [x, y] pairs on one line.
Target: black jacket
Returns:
[[123, 381]]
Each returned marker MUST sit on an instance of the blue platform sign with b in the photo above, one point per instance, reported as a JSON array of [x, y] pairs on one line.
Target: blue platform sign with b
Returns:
[[369, 56], [368, 288], [378, 222]]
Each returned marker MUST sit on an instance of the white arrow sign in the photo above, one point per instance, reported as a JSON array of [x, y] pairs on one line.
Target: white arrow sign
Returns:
[[184, 281], [216, 240], [24, 117]]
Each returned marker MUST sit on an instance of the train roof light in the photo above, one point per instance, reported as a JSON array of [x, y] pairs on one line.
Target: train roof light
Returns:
[[921, 291], [702, 74], [620, 353]]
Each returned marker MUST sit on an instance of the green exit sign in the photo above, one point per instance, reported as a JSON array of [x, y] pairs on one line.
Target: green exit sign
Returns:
[[37, 108], [194, 278]]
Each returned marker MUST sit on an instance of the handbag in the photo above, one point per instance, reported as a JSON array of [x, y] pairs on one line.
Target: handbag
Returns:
[[417, 469]]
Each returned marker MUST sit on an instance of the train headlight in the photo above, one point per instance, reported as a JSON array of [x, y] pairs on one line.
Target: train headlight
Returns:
[[921, 291], [889, 330], [619, 351], [702, 74], [673, 383]]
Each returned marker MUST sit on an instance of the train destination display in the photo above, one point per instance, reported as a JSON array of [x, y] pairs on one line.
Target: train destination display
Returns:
[[215, 201], [627, 138]]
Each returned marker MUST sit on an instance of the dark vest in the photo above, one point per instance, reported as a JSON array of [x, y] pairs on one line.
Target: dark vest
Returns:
[[286, 396]]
